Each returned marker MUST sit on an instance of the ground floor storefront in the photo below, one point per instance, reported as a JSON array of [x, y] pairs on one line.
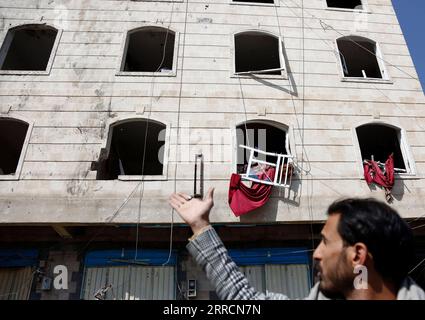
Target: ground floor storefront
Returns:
[[123, 262]]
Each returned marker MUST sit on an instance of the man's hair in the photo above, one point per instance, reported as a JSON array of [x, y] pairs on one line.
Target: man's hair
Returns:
[[387, 236]]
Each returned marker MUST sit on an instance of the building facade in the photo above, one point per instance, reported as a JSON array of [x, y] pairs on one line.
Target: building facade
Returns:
[[105, 105]]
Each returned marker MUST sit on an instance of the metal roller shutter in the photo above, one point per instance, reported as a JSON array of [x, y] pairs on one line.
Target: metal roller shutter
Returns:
[[130, 282], [15, 283], [291, 280], [255, 275]]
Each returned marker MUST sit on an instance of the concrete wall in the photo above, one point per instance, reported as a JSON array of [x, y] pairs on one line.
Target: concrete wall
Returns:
[[71, 107]]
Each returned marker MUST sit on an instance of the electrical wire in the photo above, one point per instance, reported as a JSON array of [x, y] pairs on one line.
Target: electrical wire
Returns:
[[247, 135], [326, 26], [177, 144], [417, 218], [143, 162], [417, 266], [418, 227], [175, 186], [246, 112], [339, 53], [146, 131], [141, 183], [178, 133]]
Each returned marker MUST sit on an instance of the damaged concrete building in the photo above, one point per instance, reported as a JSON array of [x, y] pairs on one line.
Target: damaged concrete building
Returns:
[[106, 104]]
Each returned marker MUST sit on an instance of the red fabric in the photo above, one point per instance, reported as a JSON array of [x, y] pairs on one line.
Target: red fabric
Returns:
[[374, 174], [243, 199]]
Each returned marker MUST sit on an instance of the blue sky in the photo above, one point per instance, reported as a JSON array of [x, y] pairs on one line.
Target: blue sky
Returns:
[[411, 15]]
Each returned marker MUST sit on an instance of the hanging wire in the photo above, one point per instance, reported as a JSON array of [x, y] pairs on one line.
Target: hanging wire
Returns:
[[417, 218], [117, 212], [177, 144], [178, 136], [141, 182], [417, 266], [146, 132], [326, 26], [144, 153], [310, 192], [247, 135], [418, 227], [246, 128], [339, 53], [175, 186]]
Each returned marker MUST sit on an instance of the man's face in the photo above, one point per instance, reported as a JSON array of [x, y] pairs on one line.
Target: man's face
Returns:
[[335, 270]]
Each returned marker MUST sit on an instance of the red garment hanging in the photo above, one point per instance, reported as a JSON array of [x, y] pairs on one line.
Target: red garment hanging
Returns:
[[243, 199], [373, 173]]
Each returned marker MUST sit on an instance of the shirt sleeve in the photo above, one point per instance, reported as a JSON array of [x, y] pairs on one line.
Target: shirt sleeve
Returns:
[[229, 282]]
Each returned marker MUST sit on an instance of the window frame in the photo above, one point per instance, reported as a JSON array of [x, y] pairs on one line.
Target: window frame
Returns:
[[114, 122], [124, 48], [3, 39], [386, 79], [246, 3], [282, 59], [405, 149], [17, 175], [365, 7], [289, 141]]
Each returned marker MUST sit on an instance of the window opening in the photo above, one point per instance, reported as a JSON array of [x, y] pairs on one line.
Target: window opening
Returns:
[[145, 51], [377, 142], [127, 151], [12, 137], [28, 48], [357, 60], [345, 4], [257, 53]]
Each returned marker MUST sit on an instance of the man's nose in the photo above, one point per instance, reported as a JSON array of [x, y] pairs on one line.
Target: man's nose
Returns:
[[317, 255]]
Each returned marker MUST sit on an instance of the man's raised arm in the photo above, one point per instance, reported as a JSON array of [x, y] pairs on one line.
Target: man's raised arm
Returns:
[[209, 252]]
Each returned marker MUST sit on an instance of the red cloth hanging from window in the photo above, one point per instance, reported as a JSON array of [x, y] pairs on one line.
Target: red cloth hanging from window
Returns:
[[374, 174], [243, 199]]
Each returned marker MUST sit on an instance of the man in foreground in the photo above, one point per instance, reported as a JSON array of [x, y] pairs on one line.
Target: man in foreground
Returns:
[[361, 236]]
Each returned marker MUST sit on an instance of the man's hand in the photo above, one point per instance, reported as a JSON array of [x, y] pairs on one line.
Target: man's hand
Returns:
[[195, 212]]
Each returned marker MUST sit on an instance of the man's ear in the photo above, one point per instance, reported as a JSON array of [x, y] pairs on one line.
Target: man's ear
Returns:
[[360, 254]]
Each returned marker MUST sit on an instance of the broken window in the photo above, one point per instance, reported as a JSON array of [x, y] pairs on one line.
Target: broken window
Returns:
[[12, 137], [135, 148], [28, 48], [260, 136], [378, 141], [258, 53], [255, 1], [358, 57], [149, 50], [345, 4]]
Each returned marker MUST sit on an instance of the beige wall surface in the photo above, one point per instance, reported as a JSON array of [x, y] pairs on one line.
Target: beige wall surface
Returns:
[[71, 107]]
